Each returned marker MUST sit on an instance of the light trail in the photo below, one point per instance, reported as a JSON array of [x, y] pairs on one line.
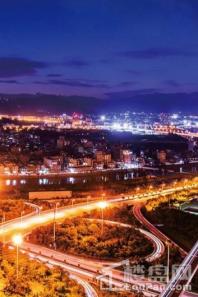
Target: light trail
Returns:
[[191, 260], [161, 236], [89, 290], [90, 270], [45, 217]]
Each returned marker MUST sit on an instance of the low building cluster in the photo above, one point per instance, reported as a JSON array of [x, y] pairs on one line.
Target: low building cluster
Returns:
[[47, 149]]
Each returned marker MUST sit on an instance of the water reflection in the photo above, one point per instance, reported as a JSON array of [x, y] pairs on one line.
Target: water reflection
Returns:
[[71, 180], [10, 182], [22, 181], [62, 181], [43, 181]]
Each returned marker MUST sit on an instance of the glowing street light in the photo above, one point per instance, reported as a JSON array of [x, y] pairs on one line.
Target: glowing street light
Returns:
[[102, 205], [54, 225], [163, 186], [137, 189], [175, 182], [17, 241]]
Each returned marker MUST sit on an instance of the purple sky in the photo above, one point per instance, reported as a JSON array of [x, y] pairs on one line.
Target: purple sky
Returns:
[[102, 48]]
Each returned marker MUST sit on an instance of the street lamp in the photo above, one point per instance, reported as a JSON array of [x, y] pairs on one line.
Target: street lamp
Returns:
[[17, 241], [150, 187], [55, 210], [163, 185], [174, 183], [102, 205], [168, 261], [137, 189]]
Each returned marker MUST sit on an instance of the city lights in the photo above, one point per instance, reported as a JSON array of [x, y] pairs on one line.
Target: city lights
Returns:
[[17, 239], [99, 148], [102, 204], [102, 117]]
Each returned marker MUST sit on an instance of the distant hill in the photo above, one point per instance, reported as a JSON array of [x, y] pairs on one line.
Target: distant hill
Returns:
[[156, 102], [42, 103]]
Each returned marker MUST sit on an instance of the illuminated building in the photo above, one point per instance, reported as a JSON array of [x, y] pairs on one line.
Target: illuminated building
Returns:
[[99, 156], [102, 157], [126, 156], [53, 163]]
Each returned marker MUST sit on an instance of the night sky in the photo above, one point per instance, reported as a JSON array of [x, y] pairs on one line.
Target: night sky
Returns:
[[101, 48]]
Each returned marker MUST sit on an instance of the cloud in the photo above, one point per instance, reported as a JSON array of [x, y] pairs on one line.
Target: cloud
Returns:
[[75, 83], [71, 83], [131, 93], [54, 75], [13, 66], [106, 61], [133, 72], [172, 83], [154, 53], [127, 83], [76, 63], [10, 81]]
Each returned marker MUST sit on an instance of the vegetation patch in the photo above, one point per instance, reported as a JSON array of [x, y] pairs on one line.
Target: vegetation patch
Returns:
[[11, 209], [84, 237], [35, 279]]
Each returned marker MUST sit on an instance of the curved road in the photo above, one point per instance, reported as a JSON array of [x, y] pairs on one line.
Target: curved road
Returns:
[[151, 288], [177, 283], [190, 264], [90, 271], [89, 290], [139, 216], [30, 221]]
